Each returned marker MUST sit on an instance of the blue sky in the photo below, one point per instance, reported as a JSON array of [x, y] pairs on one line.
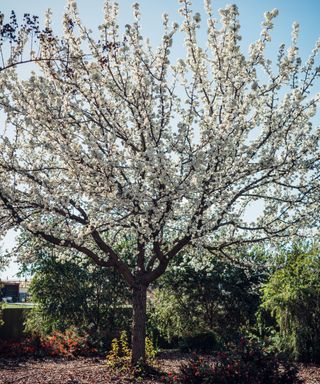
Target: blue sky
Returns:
[[251, 15]]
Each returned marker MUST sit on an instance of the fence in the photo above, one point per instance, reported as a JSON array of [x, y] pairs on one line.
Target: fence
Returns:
[[13, 318]]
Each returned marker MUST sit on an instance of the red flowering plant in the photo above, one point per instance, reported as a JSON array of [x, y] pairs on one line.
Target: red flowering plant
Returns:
[[67, 344], [171, 378]]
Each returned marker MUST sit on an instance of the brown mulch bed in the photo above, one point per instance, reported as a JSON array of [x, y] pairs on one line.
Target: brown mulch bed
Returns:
[[76, 371], [310, 373], [94, 371]]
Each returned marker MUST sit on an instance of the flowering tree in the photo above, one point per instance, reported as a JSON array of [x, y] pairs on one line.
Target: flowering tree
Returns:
[[108, 139]]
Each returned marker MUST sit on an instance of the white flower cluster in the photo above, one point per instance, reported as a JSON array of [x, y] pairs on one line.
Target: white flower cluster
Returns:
[[117, 142]]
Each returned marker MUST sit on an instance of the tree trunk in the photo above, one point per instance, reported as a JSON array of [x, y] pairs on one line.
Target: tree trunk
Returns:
[[139, 323]]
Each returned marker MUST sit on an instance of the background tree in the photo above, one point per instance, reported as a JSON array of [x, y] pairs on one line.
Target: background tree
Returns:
[[208, 296], [109, 138], [91, 299], [70, 291], [292, 295]]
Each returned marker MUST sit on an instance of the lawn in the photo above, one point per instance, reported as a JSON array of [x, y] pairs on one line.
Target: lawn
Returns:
[[17, 305]]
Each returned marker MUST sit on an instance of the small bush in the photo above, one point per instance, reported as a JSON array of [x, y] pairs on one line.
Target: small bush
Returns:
[[243, 364], [196, 371], [119, 357], [67, 344]]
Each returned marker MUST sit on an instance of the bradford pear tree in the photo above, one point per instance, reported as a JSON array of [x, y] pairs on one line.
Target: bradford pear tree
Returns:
[[110, 137]]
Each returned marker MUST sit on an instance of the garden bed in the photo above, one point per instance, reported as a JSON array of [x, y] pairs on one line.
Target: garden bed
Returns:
[[94, 371]]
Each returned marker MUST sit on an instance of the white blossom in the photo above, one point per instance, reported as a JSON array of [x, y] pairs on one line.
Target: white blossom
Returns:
[[110, 139]]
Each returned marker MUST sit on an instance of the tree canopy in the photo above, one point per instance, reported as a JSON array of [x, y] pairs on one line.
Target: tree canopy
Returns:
[[108, 138]]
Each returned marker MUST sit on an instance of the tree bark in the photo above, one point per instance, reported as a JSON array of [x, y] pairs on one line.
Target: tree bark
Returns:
[[139, 323]]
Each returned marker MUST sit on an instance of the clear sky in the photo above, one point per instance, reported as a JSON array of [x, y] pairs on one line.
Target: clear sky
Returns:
[[251, 15]]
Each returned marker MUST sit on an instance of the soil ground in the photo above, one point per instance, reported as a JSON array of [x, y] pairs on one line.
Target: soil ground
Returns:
[[94, 371]]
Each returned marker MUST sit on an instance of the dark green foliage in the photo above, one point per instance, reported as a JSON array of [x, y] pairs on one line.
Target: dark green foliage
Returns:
[[68, 295], [292, 297], [219, 300], [202, 342]]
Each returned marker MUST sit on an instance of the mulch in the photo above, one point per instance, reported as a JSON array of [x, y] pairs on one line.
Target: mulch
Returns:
[[94, 371], [310, 373], [55, 371]]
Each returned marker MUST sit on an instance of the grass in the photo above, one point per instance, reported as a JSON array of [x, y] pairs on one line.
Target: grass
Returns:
[[14, 305]]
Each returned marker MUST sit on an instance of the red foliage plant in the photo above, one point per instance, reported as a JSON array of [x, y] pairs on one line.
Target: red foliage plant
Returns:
[[58, 344], [245, 363]]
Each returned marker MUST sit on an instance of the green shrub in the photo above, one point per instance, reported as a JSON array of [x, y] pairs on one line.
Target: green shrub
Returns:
[[119, 356], [83, 296], [201, 342], [191, 301]]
